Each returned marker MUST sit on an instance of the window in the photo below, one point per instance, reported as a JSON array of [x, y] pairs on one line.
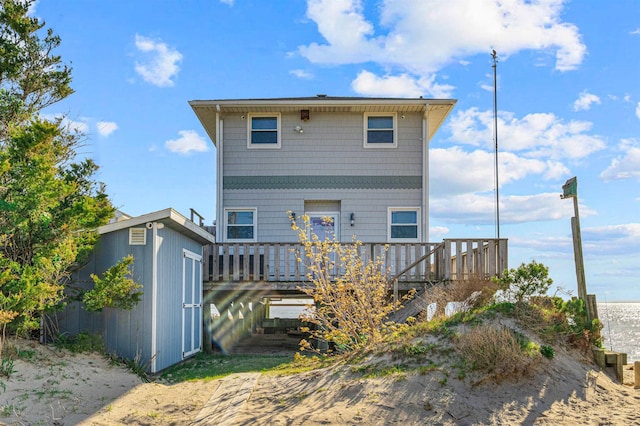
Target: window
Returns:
[[263, 131], [403, 224], [240, 224], [380, 131]]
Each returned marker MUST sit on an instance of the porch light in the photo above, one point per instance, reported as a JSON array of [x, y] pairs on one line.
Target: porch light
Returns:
[[298, 129], [352, 219]]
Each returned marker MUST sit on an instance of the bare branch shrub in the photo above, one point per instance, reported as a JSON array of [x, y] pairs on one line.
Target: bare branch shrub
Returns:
[[470, 293], [351, 294]]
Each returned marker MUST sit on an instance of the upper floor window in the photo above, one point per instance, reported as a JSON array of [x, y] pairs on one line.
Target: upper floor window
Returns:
[[380, 130], [403, 224], [263, 131], [240, 224]]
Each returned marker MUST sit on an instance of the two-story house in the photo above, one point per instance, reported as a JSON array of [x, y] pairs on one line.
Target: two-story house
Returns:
[[364, 162]]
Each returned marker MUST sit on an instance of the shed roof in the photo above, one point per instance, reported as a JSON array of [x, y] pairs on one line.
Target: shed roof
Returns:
[[206, 110], [168, 217]]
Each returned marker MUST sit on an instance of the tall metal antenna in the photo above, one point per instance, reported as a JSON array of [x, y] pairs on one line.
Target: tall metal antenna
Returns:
[[494, 55]]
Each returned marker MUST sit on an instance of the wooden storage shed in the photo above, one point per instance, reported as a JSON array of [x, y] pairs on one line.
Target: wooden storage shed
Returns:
[[166, 326]]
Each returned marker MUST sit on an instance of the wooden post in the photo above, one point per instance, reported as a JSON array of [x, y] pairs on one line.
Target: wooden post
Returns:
[[620, 367], [636, 374], [570, 190]]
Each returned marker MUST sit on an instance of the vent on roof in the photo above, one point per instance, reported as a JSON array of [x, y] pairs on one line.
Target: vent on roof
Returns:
[[137, 236]]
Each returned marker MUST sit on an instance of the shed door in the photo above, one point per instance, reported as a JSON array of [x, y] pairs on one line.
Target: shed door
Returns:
[[191, 303]]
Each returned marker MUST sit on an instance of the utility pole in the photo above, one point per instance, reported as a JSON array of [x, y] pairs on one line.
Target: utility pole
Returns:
[[494, 55]]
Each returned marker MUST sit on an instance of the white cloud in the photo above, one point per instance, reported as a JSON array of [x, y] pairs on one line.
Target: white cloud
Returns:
[[537, 135], [612, 239], [626, 166], [585, 100], [479, 209], [188, 142], [105, 128], [638, 110], [437, 232], [404, 85], [227, 2], [301, 74], [635, 32], [411, 40], [32, 8], [159, 62]]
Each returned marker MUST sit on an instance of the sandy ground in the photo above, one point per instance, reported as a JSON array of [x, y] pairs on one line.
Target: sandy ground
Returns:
[[54, 388]]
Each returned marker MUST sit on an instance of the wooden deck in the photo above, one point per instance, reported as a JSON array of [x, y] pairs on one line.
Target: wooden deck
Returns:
[[274, 266]]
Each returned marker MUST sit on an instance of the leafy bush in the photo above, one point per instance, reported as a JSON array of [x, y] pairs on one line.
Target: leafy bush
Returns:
[[528, 280], [116, 288]]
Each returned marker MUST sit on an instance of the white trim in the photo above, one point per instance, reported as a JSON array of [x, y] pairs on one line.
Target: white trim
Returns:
[[196, 302], [365, 124], [219, 178], [425, 175], [278, 144], [254, 210], [418, 221], [154, 297]]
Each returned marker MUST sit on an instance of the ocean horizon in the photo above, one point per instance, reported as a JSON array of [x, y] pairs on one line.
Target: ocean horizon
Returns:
[[621, 328]]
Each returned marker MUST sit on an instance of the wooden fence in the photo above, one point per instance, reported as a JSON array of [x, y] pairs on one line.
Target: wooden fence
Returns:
[[453, 259]]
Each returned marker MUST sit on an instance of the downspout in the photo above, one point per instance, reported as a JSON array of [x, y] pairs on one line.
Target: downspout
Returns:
[[154, 295], [220, 235], [425, 175]]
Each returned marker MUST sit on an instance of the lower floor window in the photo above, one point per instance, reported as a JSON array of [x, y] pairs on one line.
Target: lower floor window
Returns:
[[403, 224], [241, 224]]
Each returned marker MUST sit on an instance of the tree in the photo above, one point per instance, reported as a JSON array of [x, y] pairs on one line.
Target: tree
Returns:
[[50, 204], [31, 76]]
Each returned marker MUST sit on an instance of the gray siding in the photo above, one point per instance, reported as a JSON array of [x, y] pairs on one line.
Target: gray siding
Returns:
[[331, 146], [370, 208]]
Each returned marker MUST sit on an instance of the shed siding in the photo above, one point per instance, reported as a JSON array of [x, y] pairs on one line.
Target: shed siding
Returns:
[[128, 333], [169, 303]]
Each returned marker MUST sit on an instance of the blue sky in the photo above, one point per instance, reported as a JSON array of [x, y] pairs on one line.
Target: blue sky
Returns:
[[568, 101]]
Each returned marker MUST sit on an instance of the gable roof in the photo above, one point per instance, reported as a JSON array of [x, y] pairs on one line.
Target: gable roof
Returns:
[[170, 218], [206, 110]]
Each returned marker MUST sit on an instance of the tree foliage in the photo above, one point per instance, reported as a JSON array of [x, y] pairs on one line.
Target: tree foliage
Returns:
[[352, 295], [116, 288], [32, 77]]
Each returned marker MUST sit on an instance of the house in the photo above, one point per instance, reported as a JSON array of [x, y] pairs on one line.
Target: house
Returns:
[[166, 326], [361, 161]]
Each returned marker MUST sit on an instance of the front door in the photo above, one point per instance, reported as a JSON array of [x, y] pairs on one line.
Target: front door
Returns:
[[325, 225], [191, 303]]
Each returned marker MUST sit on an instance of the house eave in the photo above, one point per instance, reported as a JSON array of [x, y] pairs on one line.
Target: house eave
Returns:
[[206, 110]]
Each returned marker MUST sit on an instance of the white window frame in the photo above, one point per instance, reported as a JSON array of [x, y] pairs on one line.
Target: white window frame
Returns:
[[417, 224], [278, 129], [241, 209], [394, 116]]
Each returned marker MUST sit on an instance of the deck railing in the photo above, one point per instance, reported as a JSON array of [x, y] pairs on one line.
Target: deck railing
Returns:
[[453, 259]]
